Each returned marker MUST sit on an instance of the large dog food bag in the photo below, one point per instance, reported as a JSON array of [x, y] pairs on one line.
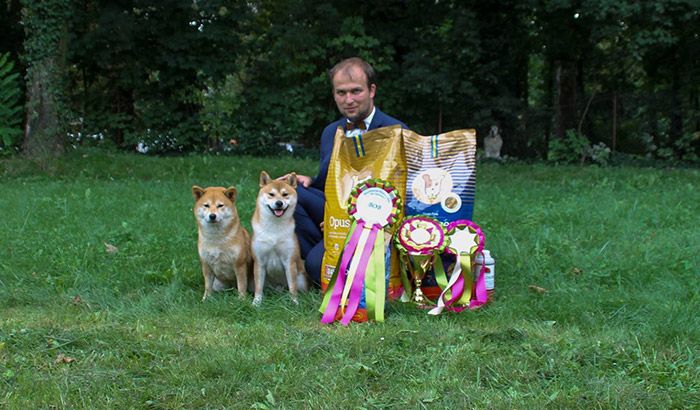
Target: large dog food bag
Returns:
[[375, 154], [441, 181]]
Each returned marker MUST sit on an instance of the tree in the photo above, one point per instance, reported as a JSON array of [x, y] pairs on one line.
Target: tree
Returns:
[[10, 105], [667, 30], [144, 67], [44, 55]]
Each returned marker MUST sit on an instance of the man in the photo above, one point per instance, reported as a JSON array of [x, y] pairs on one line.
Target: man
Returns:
[[354, 87]]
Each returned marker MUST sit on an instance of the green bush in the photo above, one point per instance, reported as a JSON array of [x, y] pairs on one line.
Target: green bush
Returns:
[[599, 153], [219, 105], [688, 147], [10, 105], [571, 149]]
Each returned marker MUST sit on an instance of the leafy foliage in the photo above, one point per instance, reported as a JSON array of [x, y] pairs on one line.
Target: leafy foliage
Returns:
[[149, 66], [10, 105], [202, 74], [571, 149]]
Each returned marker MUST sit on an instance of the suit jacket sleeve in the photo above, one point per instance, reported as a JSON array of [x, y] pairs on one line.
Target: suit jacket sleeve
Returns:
[[327, 138]]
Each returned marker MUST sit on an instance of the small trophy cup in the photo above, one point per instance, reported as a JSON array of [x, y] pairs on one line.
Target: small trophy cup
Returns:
[[419, 268], [420, 239]]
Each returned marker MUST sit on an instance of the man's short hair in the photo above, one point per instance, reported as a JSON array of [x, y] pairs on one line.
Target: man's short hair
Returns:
[[354, 62]]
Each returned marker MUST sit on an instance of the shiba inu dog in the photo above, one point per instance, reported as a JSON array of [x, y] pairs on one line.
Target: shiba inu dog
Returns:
[[224, 245], [276, 257]]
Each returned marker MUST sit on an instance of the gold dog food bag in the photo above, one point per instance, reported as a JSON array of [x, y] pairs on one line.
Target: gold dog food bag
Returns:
[[441, 181], [375, 154]]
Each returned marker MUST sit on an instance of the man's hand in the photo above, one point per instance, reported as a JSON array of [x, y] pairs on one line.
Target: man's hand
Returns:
[[301, 179], [321, 226]]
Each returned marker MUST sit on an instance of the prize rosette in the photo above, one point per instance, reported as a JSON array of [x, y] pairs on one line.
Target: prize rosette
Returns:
[[465, 240], [374, 205], [420, 239]]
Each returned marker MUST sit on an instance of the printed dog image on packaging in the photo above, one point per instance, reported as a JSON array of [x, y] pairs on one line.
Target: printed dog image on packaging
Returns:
[[376, 154], [223, 244], [432, 186]]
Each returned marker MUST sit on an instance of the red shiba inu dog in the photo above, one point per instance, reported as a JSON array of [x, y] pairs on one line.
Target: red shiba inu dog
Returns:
[[276, 257], [224, 245]]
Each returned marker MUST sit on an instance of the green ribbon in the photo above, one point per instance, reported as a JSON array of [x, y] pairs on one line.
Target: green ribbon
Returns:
[[403, 274], [440, 275], [465, 262], [375, 281]]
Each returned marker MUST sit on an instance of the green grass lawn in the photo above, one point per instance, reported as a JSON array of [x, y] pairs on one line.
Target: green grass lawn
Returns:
[[616, 249]]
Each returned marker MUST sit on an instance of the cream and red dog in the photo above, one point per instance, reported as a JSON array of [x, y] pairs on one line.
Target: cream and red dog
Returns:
[[276, 257], [224, 245]]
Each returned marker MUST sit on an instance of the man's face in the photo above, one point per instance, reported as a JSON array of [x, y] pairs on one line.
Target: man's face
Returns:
[[352, 96]]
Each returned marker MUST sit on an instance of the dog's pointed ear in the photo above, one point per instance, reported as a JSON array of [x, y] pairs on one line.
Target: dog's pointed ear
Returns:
[[231, 193], [264, 179], [292, 180], [197, 192]]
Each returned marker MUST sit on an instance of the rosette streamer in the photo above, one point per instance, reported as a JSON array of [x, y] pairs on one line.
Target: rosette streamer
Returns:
[[465, 241], [374, 206], [419, 239]]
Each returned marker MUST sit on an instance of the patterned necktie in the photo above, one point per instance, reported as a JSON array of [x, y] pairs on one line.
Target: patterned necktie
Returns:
[[360, 125]]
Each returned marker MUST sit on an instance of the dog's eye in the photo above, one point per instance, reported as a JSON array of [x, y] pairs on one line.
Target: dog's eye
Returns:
[[206, 205], [285, 194], [270, 194], [220, 206]]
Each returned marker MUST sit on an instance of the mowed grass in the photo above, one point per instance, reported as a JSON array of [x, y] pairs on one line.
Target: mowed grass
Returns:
[[614, 325]]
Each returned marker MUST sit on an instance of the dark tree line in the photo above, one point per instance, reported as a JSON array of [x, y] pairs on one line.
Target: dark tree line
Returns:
[[183, 75]]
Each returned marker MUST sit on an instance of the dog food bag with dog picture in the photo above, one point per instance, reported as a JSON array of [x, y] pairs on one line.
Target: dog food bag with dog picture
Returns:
[[356, 158], [441, 181]]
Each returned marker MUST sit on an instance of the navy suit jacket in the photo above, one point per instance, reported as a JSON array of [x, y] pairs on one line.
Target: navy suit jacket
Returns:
[[328, 136]]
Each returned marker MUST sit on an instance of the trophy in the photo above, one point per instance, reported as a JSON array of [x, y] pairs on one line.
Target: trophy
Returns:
[[420, 239], [419, 268]]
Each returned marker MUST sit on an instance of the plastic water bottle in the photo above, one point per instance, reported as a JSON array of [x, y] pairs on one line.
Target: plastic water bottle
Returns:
[[486, 260]]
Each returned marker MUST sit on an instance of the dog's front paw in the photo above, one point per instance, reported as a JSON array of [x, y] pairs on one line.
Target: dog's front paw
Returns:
[[295, 300], [257, 301]]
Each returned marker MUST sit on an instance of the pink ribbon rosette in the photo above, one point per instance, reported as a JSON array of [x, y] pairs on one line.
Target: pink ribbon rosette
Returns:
[[465, 241], [419, 239], [374, 206]]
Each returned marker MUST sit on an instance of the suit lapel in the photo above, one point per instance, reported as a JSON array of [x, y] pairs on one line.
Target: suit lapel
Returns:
[[377, 120]]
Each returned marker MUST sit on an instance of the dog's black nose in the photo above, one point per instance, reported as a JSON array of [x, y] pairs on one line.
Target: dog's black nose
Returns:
[[212, 217], [279, 204]]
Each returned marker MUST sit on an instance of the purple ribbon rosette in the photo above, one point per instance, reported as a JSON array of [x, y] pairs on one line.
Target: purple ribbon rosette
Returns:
[[419, 239], [374, 205], [466, 239]]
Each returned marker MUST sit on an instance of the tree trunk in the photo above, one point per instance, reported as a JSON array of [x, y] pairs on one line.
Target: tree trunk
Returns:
[[653, 121], [45, 28], [614, 121], [122, 105], [42, 134], [549, 70], [565, 104], [676, 130]]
